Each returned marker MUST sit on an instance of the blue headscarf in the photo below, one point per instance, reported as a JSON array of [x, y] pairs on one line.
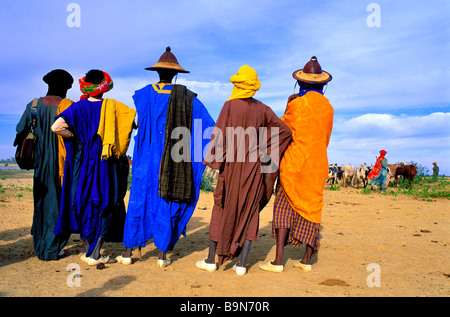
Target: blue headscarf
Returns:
[[304, 88]]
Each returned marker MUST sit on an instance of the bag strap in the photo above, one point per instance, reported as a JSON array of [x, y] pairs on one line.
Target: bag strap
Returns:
[[34, 113]]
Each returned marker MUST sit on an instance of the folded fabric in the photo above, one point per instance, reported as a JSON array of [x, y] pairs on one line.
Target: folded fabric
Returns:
[[378, 166], [304, 166], [116, 125], [92, 90], [246, 83], [63, 105], [176, 179]]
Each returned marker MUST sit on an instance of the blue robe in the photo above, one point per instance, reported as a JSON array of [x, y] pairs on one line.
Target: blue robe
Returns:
[[148, 215], [91, 201]]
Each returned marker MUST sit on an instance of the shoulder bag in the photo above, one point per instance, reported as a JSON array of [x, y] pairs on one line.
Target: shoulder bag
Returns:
[[25, 150]]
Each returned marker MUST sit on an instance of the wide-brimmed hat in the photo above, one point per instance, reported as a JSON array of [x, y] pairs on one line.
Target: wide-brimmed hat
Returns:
[[168, 61], [312, 73]]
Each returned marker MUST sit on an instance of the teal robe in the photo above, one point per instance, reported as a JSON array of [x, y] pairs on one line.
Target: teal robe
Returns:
[[46, 182]]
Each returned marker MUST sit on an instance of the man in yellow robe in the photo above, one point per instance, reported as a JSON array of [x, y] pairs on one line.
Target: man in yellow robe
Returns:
[[303, 168]]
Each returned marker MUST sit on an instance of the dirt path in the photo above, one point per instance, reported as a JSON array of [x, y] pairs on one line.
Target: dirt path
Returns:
[[399, 241]]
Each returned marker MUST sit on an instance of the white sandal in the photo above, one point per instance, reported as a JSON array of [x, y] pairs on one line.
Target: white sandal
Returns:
[[102, 259], [84, 258], [271, 268], [240, 270], [210, 267], [123, 260], [163, 263], [304, 267]]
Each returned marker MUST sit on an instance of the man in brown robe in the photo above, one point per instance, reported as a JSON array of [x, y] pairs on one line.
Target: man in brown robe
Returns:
[[246, 147]]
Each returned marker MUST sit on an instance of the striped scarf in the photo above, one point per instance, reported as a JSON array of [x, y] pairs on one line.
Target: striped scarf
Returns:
[[176, 178]]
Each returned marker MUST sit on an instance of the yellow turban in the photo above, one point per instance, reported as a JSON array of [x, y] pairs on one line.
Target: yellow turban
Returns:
[[246, 83]]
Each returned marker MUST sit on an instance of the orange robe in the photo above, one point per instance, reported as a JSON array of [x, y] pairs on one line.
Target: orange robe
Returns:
[[304, 166], [63, 105]]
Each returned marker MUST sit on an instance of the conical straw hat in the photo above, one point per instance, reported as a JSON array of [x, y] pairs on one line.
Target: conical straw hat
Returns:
[[312, 73], [168, 61]]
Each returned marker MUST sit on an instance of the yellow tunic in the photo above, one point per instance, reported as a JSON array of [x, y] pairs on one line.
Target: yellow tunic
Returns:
[[304, 166]]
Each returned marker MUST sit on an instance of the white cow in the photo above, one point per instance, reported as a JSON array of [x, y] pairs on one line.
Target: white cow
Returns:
[[361, 174], [349, 172]]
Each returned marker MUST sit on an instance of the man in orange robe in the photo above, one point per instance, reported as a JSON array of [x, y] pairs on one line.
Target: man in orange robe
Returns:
[[303, 168]]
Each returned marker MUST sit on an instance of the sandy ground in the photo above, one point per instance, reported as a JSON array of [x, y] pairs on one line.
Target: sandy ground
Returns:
[[400, 242]]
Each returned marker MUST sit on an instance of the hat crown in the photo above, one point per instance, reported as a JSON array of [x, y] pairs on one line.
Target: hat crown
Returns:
[[313, 66], [312, 73], [167, 61], [168, 56]]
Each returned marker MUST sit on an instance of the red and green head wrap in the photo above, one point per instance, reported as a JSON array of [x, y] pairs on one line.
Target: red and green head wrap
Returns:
[[92, 90]]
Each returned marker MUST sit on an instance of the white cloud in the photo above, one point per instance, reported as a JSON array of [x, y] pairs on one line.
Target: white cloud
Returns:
[[421, 139], [373, 125]]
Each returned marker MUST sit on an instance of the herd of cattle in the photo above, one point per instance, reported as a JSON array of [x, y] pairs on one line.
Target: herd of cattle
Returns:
[[344, 174]]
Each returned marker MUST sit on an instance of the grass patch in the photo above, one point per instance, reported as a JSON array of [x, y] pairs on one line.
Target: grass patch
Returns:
[[9, 189], [12, 191], [335, 187], [426, 188], [208, 182]]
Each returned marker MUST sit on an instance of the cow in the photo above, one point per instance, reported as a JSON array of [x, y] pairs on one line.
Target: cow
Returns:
[[361, 174], [333, 171], [408, 172], [391, 177], [348, 172]]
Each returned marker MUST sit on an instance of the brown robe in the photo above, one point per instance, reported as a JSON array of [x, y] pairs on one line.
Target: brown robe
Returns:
[[242, 188]]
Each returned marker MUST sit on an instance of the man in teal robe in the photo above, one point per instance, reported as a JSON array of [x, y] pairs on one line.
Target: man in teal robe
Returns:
[[46, 182]]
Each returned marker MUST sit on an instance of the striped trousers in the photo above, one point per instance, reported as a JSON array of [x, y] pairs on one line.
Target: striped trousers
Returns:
[[301, 230]]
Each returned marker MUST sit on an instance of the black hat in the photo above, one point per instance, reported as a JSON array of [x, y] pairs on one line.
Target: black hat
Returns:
[[59, 78]]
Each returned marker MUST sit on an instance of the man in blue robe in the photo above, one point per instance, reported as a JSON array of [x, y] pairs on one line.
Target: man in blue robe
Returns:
[[94, 183], [166, 173]]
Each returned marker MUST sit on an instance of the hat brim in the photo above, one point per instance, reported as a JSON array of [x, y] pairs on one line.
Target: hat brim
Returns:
[[167, 65], [312, 78]]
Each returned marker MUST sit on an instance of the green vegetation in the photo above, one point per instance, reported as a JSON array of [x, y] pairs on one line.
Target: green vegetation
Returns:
[[130, 177], [11, 160], [208, 182], [424, 187], [335, 187], [10, 191], [8, 185]]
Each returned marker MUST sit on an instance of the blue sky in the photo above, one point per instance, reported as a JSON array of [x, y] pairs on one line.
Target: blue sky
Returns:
[[390, 87]]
